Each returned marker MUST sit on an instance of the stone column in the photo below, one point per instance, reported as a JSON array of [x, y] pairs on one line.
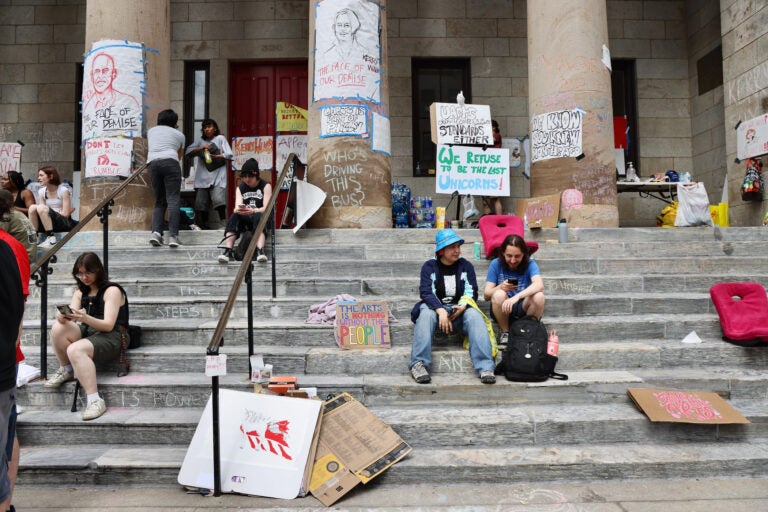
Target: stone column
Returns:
[[139, 21], [565, 71], [348, 97]]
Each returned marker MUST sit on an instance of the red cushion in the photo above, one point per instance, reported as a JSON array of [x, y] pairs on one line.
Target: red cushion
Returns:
[[495, 228], [743, 310]]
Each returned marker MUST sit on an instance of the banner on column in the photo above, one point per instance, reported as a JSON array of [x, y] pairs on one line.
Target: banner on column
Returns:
[[113, 79], [10, 157], [556, 135], [472, 171], [108, 157]]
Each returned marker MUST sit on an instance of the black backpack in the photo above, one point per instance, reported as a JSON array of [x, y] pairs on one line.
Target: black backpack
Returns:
[[526, 358], [242, 245]]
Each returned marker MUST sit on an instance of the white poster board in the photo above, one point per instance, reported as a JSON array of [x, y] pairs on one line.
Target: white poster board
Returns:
[[10, 157], [113, 74], [381, 139], [260, 148], [452, 123], [347, 50], [556, 135], [265, 444], [309, 199], [108, 157], [513, 144], [752, 137], [472, 170], [285, 145], [343, 120]]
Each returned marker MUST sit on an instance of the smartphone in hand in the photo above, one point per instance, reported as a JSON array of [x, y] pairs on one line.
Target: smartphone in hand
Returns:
[[512, 281], [64, 309]]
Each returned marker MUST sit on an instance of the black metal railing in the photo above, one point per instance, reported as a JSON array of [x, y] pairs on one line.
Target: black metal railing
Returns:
[[41, 269], [244, 273]]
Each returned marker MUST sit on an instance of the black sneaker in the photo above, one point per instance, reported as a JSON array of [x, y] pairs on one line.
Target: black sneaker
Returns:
[[420, 373], [226, 257], [261, 257]]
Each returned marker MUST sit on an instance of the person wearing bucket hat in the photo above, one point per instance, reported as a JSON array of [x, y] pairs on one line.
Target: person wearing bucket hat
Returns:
[[251, 196], [447, 282]]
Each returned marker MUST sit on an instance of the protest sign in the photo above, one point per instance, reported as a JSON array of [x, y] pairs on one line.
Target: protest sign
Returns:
[[108, 157], [477, 171], [556, 135]]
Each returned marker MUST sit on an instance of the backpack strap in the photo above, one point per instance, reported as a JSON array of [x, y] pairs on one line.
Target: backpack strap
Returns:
[[123, 361], [558, 376]]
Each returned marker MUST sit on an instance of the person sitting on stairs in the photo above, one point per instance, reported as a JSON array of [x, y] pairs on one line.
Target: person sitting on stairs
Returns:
[[251, 197], [448, 289], [90, 334]]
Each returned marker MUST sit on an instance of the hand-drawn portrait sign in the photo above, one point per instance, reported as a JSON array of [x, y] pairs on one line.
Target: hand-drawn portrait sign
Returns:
[[337, 120], [752, 137], [112, 93], [556, 135], [347, 50], [260, 148], [10, 157], [108, 157], [472, 171], [466, 124]]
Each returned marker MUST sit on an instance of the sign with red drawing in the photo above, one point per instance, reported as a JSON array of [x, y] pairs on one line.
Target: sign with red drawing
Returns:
[[108, 157], [10, 157], [684, 406], [752, 137]]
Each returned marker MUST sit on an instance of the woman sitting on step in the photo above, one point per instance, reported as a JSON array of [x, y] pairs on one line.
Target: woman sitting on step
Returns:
[[52, 213], [513, 285], [90, 332]]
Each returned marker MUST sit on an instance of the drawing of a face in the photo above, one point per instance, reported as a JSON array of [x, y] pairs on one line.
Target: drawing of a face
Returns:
[[102, 72], [346, 25]]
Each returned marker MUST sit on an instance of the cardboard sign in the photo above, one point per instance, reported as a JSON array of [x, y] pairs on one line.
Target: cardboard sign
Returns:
[[260, 148], [267, 445], [752, 137], [290, 118], [108, 157], [540, 212], [684, 406], [10, 157], [354, 446], [466, 124], [471, 170], [362, 325]]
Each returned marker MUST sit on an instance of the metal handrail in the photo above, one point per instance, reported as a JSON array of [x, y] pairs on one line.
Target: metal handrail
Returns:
[[40, 270], [218, 335]]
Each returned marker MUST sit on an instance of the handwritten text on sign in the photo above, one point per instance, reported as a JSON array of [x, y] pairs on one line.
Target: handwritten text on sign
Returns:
[[108, 157], [452, 123], [363, 325], [10, 157], [343, 120], [260, 148], [752, 137], [472, 171], [556, 135]]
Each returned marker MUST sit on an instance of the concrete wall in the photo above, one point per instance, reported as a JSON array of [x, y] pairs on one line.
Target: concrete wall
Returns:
[[40, 50], [744, 30]]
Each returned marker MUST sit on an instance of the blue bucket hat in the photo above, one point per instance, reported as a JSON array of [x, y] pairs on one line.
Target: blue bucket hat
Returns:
[[446, 237]]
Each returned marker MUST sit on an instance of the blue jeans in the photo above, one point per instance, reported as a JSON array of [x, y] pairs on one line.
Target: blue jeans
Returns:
[[166, 183], [470, 323]]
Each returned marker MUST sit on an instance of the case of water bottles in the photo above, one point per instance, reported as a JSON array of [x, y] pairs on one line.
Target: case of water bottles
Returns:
[[422, 212], [416, 212]]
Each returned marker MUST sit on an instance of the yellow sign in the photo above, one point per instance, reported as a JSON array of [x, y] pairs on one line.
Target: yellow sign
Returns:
[[290, 118]]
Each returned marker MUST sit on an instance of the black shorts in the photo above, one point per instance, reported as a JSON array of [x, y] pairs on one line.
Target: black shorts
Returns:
[[60, 223], [517, 312]]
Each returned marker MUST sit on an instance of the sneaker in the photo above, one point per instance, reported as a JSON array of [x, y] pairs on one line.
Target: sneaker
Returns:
[[60, 377], [195, 227], [226, 257], [173, 242], [156, 239], [487, 377], [50, 241], [503, 342], [94, 409], [420, 373], [261, 257]]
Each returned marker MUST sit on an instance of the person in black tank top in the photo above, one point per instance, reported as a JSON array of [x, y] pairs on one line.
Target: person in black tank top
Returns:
[[251, 197]]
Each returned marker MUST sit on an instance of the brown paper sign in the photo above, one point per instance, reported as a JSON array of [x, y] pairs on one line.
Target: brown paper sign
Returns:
[[684, 406]]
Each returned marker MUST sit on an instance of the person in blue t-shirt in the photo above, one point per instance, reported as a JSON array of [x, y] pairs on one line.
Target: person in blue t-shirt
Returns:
[[514, 285]]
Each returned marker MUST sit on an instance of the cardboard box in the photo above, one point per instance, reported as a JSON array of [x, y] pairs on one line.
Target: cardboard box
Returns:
[[354, 446], [362, 325], [684, 406], [281, 384], [540, 212]]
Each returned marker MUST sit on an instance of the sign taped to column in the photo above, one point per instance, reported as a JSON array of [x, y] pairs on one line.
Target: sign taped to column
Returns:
[[556, 135], [108, 157]]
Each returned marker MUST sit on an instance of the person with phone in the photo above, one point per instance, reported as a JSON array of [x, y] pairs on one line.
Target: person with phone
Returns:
[[251, 197], [87, 331], [513, 286]]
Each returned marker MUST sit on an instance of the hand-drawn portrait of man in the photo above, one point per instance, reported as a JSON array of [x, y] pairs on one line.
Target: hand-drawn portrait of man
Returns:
[[345, 27], [103, 73]]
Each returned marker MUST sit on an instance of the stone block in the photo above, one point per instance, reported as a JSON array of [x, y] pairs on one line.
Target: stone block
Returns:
[[668, 49], [662, 89], [55, 15], [666, 147], [69, 34], [490, 9], [422, 28], [624, 10], [9, 114], [200, 50], [291, 10], [34, 34], [47, 113], [668, 10], [50, 73], [179, 12], [662, 69], [496, 47], [279, 29], [668, 108], [18, 53], [11, 73], [17, 15], [211, 11], [18, 93], [224, 30], [643, 29], [513, 67], [664, 127], [52, 53], [630, 48], [436, 47], [493, 87], [458, 27], [191, 31]]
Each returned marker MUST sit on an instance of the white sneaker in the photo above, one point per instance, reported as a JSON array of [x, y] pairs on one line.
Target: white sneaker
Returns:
[[49, 242], [173, 242], [261, 257], [94, 409], [60, 377]]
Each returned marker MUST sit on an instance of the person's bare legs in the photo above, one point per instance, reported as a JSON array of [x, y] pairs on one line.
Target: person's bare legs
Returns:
[[534, 305]]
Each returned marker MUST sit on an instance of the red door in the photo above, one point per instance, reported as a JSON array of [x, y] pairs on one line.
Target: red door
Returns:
[[255, 87]]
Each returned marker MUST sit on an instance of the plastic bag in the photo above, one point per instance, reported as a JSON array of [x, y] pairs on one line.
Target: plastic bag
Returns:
[[752, 186], [693, 205], [666, 218]]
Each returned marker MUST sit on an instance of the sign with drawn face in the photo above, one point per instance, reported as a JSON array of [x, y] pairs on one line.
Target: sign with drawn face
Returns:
[[347, 50], [752, 137], [112, 90]]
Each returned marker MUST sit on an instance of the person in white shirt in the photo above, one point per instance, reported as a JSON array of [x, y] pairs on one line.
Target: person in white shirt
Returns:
[[165, 149], [210, 178], [52, 213]]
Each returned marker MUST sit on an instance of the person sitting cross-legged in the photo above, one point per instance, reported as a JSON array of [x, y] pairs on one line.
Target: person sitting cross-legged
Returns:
[[448, 290], [251, 198]]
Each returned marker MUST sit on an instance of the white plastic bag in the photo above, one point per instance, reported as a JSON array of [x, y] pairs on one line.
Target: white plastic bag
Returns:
[[693, 205]]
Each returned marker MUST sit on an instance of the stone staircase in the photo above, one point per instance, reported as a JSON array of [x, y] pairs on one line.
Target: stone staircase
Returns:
[[621, 300]]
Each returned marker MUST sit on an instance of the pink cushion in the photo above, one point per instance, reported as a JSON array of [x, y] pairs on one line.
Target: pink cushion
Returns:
[[743, 310], [495, 228]]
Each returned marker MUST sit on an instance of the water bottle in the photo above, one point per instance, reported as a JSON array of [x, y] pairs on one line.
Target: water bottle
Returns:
[[562, 228], [631, 173], [553, 344], [207, 156]]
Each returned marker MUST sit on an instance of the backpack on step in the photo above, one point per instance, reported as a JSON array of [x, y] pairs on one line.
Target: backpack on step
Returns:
[[242, 245], [526, 358]]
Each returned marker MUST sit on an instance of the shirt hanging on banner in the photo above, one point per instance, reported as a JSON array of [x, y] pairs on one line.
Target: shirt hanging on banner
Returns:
[[108, 157], [290, 118], [472, 170], [347, 50], [556, 135], [10, 157], [260, 148], [752, 137], [113, 74]]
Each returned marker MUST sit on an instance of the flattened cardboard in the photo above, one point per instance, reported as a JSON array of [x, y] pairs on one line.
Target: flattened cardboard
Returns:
[[362, 325], [663, 405], [540, 212], [354, 446]]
